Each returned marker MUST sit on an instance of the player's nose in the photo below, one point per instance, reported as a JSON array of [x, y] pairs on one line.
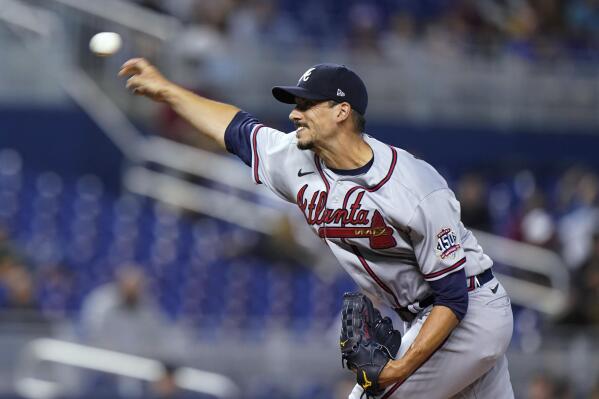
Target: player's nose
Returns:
[[295, 115]]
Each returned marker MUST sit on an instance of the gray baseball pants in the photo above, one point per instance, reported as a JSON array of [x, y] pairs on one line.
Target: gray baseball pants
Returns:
[[471, 364]]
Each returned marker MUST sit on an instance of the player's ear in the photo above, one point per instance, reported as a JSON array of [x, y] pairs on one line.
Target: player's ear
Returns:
[[343, 111]]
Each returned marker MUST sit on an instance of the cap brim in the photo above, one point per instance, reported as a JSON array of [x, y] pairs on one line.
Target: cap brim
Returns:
[[287, 94]]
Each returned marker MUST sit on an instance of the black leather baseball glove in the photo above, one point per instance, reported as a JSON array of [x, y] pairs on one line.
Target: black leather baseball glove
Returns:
[[367, 341]]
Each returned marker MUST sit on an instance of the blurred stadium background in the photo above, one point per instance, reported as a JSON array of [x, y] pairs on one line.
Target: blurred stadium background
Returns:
[[135, 266]]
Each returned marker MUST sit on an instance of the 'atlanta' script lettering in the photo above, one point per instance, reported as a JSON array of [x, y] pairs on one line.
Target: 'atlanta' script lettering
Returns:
[[316, 211]]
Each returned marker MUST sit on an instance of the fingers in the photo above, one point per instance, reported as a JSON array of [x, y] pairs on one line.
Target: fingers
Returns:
[[135, 85], [132, 83], [133, 66], [132, 61], [139, 86]]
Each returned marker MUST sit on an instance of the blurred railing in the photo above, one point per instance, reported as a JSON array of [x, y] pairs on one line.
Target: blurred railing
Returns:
[[24, 77], [545, 284], [563, 354], [42, 351]]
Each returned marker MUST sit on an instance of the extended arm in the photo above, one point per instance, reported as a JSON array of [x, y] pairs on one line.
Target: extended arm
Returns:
[[208, 117], [435, 330]]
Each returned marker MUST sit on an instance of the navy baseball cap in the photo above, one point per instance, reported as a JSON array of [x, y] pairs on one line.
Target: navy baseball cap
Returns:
[[327, 82]]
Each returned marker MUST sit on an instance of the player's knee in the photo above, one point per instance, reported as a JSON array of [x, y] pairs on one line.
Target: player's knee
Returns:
[[490, 354], [495, 348]]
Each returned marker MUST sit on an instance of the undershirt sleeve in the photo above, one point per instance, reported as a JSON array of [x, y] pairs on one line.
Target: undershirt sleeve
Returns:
[[238, 136], [451, 291]]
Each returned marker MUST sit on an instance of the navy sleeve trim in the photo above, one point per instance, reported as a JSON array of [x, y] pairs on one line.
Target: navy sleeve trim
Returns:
[[256, 154], [448, 270], [451, 291], [237, 136]]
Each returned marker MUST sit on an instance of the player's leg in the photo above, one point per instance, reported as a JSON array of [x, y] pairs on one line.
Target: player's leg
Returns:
[[474, 347], [494, 384]]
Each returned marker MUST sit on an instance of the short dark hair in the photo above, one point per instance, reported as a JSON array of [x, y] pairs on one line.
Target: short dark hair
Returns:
[[359, 121], [358, 118]]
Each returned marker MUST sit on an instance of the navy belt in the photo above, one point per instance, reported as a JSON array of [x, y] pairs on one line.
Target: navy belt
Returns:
[[408, 313], [479, 280]]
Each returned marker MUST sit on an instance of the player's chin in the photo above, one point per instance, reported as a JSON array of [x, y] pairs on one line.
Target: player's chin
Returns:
[[305, 145], [304, 139]]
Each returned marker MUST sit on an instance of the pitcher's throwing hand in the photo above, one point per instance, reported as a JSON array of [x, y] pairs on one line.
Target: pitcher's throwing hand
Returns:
[[145, 79]]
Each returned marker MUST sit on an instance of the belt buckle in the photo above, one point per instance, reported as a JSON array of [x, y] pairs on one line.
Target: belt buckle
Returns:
[[473, 283]]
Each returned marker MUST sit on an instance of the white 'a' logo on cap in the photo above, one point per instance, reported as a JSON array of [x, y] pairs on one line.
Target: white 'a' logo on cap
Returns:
[[306, 75]]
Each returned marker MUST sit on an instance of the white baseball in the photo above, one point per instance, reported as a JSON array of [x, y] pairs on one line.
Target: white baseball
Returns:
[[104, 44]]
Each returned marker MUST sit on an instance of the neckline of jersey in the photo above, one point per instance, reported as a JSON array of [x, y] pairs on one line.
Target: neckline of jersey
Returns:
[[354, 172]]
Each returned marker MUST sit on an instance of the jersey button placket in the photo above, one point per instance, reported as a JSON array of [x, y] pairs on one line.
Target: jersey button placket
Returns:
[[332, 201], [335, 195]]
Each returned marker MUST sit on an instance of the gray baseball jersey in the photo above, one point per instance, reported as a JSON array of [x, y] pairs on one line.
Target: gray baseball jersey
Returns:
[[394, 225], [392, 229]]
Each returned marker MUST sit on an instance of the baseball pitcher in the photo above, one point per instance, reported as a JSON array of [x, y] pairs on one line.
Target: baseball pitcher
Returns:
[[391, 221]]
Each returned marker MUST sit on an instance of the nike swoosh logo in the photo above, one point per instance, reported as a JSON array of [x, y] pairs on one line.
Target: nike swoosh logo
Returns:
[[494, 289], [300, 173]]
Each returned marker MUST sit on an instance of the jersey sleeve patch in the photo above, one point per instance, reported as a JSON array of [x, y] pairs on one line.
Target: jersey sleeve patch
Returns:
[[435, 234], [447, 244]]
